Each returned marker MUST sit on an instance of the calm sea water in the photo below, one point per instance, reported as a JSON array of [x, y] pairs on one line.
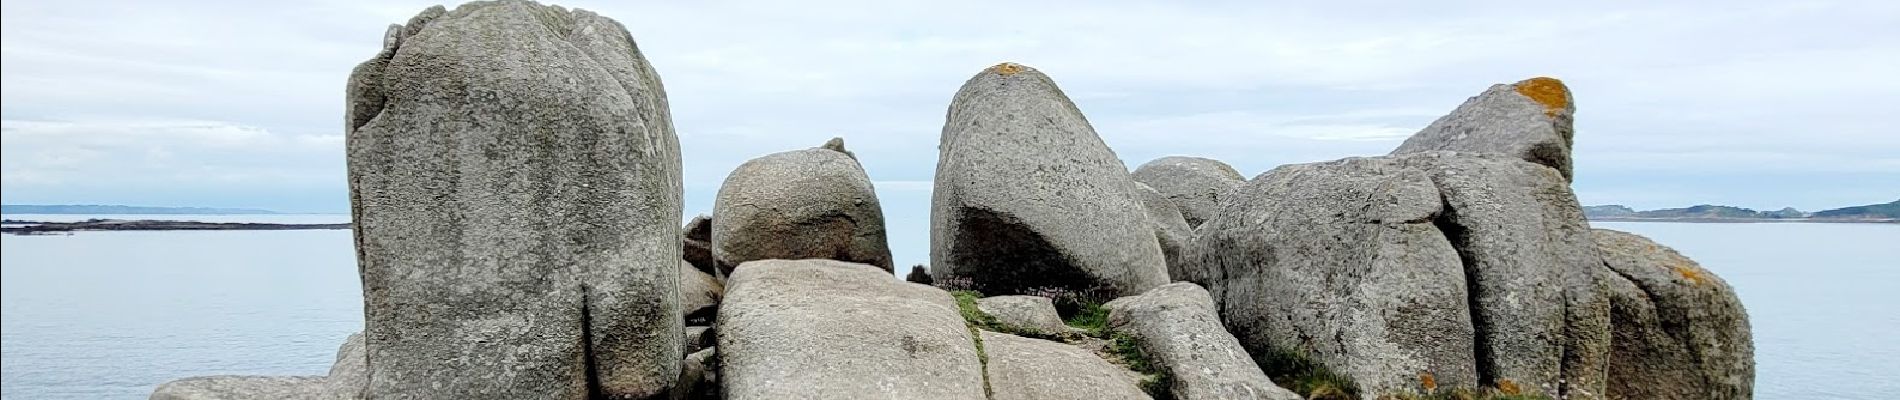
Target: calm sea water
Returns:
[[108, 315]]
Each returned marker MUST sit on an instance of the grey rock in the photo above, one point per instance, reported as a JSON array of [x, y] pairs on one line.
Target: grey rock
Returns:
[[918, 274], [699, 375], [1171, 230], [1032, 313], [837, 144], [1530, 120], [349, 376], [346, 381], [1028, 196], [699, 338], [699, 295], [812, 203], [1033, 369], [1340, 262], [515, 181], [828, 329], [696, 248], [1679, 330], [1196, 185], [1178, 327]]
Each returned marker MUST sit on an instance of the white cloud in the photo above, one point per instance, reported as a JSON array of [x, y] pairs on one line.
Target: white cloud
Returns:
[[147, 153]]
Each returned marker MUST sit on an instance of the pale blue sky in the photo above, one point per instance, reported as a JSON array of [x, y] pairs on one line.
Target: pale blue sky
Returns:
[[240, 104]]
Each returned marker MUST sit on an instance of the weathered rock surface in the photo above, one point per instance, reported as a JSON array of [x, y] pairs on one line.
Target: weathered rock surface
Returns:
[[699, 338], [696, 247], [1178, 327], [1530, 120], [812, 203], [699, 375], [1679, 331], [699, 295], [515, 181], [1171, 231], [918, 275], [1034, 369], [1481, 252], [1196, 185], [837, 330], [345, 382], [1033, 313], [1027, 196]]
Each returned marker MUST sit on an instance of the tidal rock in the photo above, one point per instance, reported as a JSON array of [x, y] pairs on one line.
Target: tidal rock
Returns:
[[347, 379], [696, 247], [1027, 196], [1171, 230], [835, 330], [1196, 185], [1530, 120], [812, 203], [1032, 313], [1178, 327], [1679, 331], [515, 181], [918, 275], [1034, 369], [1340, 262], [699, 295]]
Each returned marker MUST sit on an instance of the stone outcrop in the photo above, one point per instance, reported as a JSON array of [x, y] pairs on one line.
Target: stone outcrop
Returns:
[[699, 295], [1178, 327], [346, 381], [1679, 331], [1028, 196], [696, 247], [1530, 120], [515, 181], [1171, 230], [1034, 369], [837, 330], [812, 203], [1196, 185], [1032, 313]]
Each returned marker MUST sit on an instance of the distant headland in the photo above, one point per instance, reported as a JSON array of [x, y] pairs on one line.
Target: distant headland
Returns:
[[120, 209], [1872, 213]]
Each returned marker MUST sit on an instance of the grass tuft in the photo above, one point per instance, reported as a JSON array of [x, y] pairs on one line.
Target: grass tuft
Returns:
[[1156, 381]]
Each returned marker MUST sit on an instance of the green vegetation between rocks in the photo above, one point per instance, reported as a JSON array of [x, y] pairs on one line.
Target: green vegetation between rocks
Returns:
[[972, 319], [1091, 318], [1299, 373], [1156, 381]]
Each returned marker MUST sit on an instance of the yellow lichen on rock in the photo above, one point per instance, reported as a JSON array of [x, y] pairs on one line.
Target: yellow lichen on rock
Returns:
[[1508, 387], [1547, 91], [1008, 68], [1691, 274]]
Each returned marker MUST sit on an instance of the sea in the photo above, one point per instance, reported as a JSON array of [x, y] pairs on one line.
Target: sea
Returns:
[[110, 315]]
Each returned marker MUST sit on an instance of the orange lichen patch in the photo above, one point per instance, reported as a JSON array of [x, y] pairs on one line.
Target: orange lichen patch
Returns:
[[1008, 68], [1425, 380], [1547, 91], [1691, 274], [1506, 386]]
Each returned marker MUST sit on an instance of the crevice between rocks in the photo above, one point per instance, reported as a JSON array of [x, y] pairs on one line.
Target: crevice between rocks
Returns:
[[1459, 237]]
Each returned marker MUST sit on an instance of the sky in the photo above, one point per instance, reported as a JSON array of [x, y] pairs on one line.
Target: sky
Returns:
[[240, 104]]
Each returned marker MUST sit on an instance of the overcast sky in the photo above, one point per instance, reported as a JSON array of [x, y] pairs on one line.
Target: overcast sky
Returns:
[[240, 104]]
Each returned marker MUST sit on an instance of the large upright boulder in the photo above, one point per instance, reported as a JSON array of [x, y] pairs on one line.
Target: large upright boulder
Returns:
[[1021, 368], [1679, 330], [811, 203], [1530, 120], [1027, 195], [515, 181], [1196, 185], [823, 329], [1177, 326]]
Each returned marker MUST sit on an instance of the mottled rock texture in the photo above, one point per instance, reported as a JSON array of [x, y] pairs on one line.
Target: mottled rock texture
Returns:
[[810, 329], [1033, 313], [515, 181], [1196, 185], [1027, 196], [1679, 331], [1178, 327], [1530, 120], [1171, 231], [699, 295], [1034, 369], [345, 382], [811, 203]]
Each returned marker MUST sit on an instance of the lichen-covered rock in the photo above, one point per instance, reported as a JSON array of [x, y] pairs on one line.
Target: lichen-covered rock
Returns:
[[345, 382], [811, 203], [696, 247], [1033, 313], [918, 275], [1178, 327], [1027, 196], [1530, 120], [1679, 331], [1196, 185], [515, 181], [699, 295], [808, 329], [1033, 369], [1341, 262], [1171, 231]]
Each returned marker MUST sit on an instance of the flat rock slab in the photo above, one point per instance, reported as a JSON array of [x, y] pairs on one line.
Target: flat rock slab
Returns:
[[809, 329], [1178, 327], [1034, 369]]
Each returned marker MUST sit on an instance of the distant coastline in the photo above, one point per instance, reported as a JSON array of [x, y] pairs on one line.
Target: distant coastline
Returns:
[[23, 227], [1873, 213], [105, 209]]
